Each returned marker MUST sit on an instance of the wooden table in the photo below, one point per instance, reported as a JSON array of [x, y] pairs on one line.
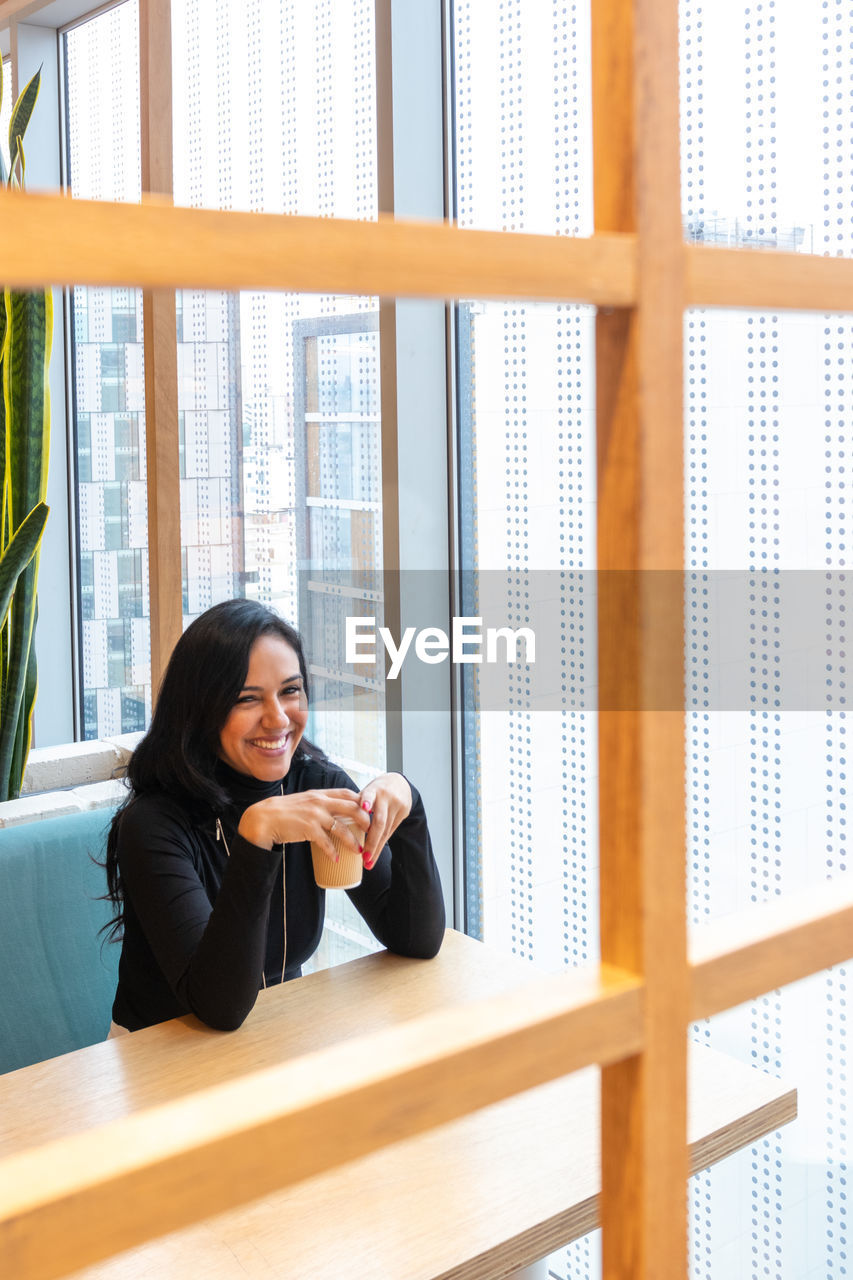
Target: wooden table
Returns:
[[476, 1198]]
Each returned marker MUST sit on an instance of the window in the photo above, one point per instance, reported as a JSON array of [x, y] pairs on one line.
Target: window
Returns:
[[108, 403], [280, 478], [766, 135], [339, 540], [247, 437], [296, 82]]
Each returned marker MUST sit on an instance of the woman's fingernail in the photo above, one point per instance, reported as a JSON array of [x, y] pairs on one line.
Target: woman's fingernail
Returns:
[[361, 848], [365, 805]]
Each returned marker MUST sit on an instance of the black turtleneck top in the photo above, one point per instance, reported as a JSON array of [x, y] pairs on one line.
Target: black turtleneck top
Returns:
[[203, 929]]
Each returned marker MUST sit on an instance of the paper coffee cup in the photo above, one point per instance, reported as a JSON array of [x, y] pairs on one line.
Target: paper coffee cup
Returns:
[[346, 872]]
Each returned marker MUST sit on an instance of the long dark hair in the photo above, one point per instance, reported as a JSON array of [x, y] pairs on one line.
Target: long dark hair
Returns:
[[178, 755]]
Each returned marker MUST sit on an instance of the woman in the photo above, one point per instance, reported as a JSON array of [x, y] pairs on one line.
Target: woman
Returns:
[[208, 861]]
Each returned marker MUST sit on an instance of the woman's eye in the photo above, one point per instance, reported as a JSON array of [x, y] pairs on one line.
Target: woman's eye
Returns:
[[245, 697], [291, 691]]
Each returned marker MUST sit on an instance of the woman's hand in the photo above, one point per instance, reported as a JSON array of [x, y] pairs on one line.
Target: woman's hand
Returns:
[[305, 815], [388, 800]]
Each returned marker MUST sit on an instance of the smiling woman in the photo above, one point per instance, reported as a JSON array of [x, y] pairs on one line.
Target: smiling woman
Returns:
[[268, 719], [209, 860]]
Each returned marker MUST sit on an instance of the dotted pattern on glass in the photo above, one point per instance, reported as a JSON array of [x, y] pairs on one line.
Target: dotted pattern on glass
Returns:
[[836, 43], [527, 485], [698, 727], [765, 770], [766, 493]]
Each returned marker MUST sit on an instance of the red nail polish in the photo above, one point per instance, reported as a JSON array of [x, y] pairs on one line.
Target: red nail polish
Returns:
[[361, 848]]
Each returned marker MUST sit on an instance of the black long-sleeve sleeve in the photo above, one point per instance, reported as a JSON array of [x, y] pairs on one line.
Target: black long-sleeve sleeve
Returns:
[[197, 920], [401, 898]]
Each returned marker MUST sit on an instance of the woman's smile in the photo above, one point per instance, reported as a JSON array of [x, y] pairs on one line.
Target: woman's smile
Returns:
[[278, 745]]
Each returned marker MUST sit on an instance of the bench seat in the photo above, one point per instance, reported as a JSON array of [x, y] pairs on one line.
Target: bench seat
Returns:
[[59, 975]]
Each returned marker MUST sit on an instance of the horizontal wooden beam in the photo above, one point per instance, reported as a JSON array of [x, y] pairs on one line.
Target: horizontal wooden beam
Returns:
[[20, 9], [61, 241], [767, 280], [81, 1198], [742, 956]]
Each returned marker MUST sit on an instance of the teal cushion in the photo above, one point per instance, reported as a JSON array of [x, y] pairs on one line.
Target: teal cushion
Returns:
[[57, 974]]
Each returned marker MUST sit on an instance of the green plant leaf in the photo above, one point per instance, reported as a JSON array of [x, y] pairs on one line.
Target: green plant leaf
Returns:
[[19, 553], [16, 723], [26, 331], [24, 733], [20, 630], [21, 113], [29, 318]]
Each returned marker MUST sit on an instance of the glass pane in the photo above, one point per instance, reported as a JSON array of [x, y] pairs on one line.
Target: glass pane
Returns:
[[278, 395], [338, 526], [102, 84], [108, 400], [523, 116], [528, 449], [767, 125], [525, 380], [209, 398], [274, 110], [766, 476], [274, 106], [766, 466], [780, 1207]]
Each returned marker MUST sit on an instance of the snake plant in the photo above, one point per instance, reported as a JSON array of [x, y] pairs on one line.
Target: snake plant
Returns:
[[26, 329]]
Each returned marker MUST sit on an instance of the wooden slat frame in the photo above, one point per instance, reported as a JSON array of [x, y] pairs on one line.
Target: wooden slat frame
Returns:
[[19, 10], [767, 280], [152, 244], [635, 262], [81, 1198], [640, 526], [743, 956]]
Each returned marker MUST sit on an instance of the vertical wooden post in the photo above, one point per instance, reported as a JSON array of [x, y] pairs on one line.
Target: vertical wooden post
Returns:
[[161, 360], [640, 559]]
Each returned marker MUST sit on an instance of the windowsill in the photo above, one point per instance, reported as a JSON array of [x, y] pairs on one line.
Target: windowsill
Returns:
[[75, 764], [70, 778]]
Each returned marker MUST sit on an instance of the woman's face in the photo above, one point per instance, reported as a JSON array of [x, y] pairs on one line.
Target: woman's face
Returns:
[[268, 719]]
